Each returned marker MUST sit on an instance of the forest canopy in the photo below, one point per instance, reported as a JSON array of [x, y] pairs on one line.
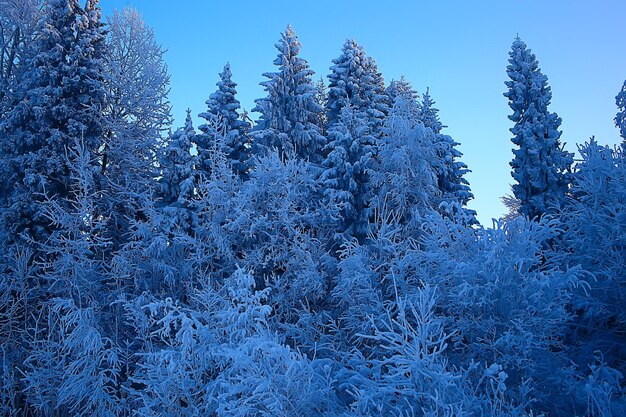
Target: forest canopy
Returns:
[[319, 260]]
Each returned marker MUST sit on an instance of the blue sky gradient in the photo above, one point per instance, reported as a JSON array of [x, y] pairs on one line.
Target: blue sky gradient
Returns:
[[457, 48]]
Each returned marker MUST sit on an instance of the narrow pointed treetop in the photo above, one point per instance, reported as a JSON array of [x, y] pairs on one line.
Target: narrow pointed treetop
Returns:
[[541, 168], [290, 112], [223, 119], [428, 114], [402, 90]]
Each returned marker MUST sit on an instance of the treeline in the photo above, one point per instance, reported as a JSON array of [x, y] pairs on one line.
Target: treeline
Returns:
[[319, 261]]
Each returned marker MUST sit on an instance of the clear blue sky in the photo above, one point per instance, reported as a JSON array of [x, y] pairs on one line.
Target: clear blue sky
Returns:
[[457, 48]]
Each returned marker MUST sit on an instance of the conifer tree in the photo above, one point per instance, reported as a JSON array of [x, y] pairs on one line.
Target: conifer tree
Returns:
[[290, 112], [428, 114], [59, 100], [176, 183], [223, 111], [450, 169], [351, 150], [541, 168], [355, 81], [402, 88], [357, 104], [620, 118]]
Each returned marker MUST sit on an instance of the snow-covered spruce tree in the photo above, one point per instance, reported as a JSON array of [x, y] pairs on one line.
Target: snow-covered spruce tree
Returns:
[[451, 175], [409, 154], [428, 114], [20, 22], [223, 110], [290, 112], [177, 182], [354, 81], [541, 167], [176, 164], [450, 169], [137, 114], [620, 117], [59, 99], [351, 149], [402, 88], [72, 367]]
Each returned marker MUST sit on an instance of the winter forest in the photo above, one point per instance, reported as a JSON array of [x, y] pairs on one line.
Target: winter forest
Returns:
[[315, 257]]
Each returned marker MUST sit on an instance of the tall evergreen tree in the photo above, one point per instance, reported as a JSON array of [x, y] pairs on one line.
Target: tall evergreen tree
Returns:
[[176, 162], [223, 113], [450, 169], [541, 167], [346, 180], [355, 81], [620, 117], [60, 99], [290, 112], [357, 104]]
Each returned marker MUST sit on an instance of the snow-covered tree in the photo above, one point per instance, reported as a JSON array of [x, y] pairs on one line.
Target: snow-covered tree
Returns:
[[279, 207], [428, 114], [594, 221], [508, 298], [620, 118], [290, 112], [512, 206], [176, 164], [137, 81], [223, 112], [72, 367], [177, 182], [450, 169], [541, 167], [137, 114], [451, 173], [406, 179], [410, 152], [402, 88], [354, 81], [321, 96], [20, 23], [58, 100], [351, 149]]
